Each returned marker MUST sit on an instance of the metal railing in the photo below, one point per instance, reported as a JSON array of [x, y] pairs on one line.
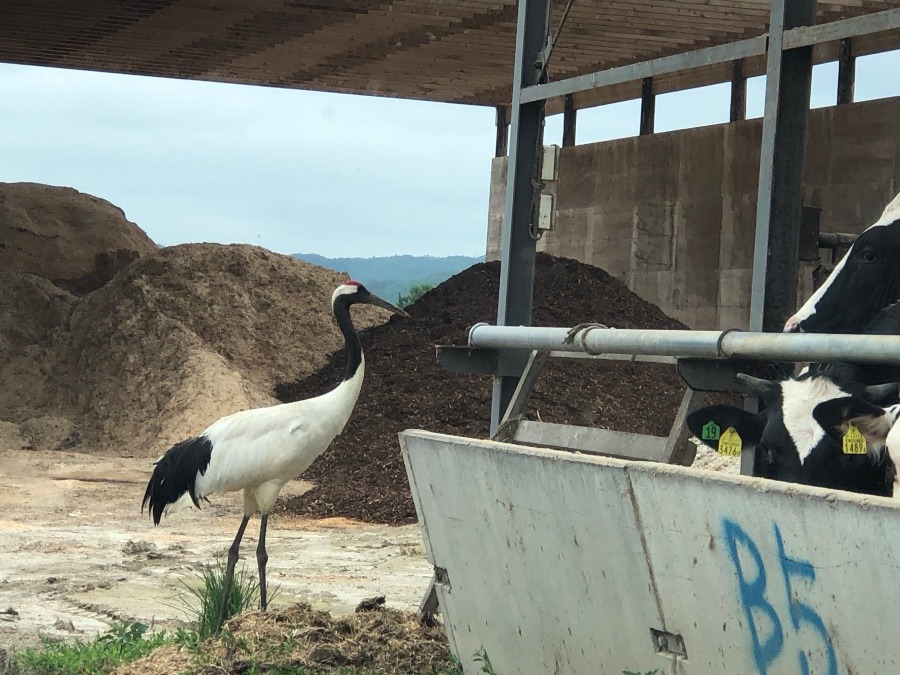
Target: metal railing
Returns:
[[694, 344]]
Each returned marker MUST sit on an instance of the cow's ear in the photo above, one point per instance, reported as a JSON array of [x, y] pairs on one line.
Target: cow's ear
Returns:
[[882, 393], [709, 423], [764, 389], [836, 416]]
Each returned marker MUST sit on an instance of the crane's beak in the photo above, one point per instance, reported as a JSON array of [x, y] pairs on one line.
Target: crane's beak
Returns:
[[384, 304]]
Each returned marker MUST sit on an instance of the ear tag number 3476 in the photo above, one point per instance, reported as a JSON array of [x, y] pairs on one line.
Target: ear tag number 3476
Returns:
[[730, 443]]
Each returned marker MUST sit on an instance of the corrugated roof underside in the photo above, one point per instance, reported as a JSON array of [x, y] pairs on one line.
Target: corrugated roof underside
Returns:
[[445, 50]]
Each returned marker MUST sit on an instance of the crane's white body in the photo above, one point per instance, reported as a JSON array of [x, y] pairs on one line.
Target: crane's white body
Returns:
[[260, 450]]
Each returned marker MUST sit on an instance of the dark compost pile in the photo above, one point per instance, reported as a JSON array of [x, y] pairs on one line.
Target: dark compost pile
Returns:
[[362, 475]]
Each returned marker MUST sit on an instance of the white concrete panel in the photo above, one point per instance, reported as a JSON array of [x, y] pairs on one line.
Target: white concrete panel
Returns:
[[562, 563], [534, 552], [714, 547]]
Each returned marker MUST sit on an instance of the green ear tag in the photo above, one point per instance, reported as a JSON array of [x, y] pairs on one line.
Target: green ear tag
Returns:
[[710, 431], [730, 443], [853, 443]]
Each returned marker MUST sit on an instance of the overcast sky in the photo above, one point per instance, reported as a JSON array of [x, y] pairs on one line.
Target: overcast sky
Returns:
[[299, 171]]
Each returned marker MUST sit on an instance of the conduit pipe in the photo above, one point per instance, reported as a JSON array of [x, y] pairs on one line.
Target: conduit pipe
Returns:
[[818, 347]]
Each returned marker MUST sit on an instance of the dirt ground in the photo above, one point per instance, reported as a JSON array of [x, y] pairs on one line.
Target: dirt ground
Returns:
[[77, 555]]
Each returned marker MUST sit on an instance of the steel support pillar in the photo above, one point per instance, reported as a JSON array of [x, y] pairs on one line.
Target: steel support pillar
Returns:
[[502, 143], [846, 72], [738, 109], [648, 106], [517, 245], [570, 116], [778, 211]]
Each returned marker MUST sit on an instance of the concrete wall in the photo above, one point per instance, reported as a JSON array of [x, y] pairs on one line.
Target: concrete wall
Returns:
[[564, 563], [672, 215]]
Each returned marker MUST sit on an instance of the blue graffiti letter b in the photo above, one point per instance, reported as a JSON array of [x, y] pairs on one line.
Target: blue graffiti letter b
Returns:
[[753, 595]]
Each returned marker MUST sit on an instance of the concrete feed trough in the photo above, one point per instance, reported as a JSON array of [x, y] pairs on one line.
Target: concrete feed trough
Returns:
[[568, 563]]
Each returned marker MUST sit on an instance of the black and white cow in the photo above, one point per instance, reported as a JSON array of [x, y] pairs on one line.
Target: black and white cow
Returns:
[[878, 426], [866, 280], [789, 444], [885, 322]]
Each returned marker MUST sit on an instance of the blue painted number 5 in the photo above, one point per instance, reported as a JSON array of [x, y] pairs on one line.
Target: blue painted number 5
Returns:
[[768, 645]]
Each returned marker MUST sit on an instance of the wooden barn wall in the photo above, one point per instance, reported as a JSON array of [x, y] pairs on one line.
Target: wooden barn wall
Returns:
[[672, 214]]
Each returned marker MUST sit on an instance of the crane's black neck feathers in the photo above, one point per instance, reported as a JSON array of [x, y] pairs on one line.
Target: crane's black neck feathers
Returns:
[[176, 472], [354, 347]]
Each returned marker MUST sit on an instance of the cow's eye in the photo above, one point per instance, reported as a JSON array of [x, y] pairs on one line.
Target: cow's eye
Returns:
[[869, 255]]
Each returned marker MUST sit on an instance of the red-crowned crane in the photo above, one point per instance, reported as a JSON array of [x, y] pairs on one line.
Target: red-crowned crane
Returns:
[[260, 450]]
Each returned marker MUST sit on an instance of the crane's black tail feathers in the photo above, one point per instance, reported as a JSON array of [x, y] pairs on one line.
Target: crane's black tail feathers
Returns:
[[176, 472]]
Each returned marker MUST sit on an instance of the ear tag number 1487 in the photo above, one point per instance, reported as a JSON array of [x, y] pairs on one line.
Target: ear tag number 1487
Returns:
[[853, 443]]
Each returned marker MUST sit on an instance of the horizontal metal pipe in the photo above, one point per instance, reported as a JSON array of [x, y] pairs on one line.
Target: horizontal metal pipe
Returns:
[[835, 239], [694, 343]]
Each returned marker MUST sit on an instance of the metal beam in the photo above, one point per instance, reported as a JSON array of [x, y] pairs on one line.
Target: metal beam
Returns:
[[738, 110], [702, 344], [716, 375], [835, 239], [589, 440], [631, 358], [804, 36], [466, 360], [517, 245], [846, 72], [472, 361], [773, 295], [638, 71], [648, 106], [679, 450], [809, 35], [519, 402], [570, 116]]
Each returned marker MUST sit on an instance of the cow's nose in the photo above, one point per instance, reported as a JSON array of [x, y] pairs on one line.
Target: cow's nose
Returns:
[[792, 325]]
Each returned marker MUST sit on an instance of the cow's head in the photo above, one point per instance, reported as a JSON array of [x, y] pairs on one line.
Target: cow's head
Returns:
[[785, 434], [866, 280], [876, 424]]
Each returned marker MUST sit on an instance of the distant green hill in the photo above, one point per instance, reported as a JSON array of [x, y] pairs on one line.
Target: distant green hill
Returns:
[[391, 275]]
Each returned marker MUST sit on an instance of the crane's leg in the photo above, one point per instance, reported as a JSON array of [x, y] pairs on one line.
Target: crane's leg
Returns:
[[261, 559], [229, 572]]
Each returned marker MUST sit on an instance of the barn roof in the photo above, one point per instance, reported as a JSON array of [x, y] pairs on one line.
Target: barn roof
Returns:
[[458, 51]]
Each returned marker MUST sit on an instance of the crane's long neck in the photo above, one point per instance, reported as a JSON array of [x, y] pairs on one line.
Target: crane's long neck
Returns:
[[354, 346]]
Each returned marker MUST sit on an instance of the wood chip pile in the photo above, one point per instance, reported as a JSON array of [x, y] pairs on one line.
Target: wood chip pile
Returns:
[[362, 475]]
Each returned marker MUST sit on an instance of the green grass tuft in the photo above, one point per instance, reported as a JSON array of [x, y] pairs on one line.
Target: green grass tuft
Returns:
[[481, 656], [204, 599], [122, 643]]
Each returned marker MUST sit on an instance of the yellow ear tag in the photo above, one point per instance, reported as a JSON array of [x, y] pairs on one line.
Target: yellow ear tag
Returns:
[[730, 443], [853, 443]]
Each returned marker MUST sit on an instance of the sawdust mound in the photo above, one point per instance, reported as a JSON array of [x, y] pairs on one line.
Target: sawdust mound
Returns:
[[174, 341], [75, 240], [362, 475], [301, 639], [33, 318]]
